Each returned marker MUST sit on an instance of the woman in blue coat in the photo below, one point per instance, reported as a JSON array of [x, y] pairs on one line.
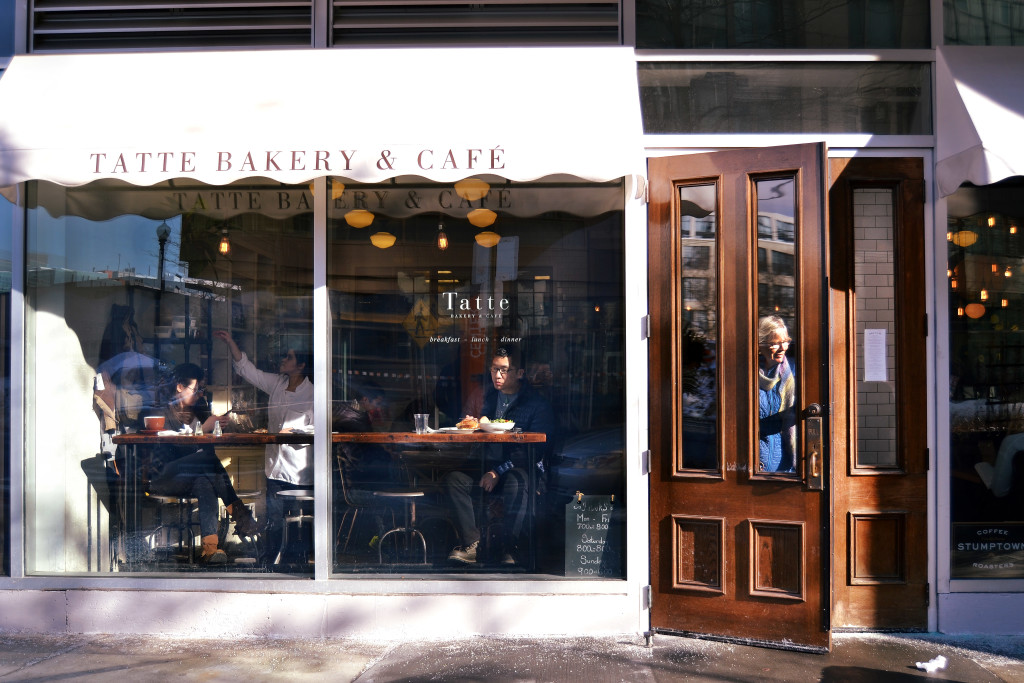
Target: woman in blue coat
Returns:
[[776, 397]]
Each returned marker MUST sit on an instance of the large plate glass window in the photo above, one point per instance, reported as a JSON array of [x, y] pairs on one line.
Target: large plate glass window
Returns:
[[985, 274], [489, 299], [176, 302], [7, 214]]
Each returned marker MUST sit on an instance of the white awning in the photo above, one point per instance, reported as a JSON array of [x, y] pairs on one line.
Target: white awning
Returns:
[[979, 115], [360, 114]]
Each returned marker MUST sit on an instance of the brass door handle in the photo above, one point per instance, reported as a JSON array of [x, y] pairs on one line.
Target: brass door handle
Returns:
[[813, 448]]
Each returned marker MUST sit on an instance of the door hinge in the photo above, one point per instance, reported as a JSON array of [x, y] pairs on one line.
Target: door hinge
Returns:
[[645, 463], [645, 326], [646, 597]]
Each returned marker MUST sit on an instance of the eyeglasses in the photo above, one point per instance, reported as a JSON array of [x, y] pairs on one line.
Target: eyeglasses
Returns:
[[500, 371], [778, 345], [198, 391]]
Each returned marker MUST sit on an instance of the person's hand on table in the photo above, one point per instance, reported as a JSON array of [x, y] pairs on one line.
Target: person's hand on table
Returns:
[[489, 481]]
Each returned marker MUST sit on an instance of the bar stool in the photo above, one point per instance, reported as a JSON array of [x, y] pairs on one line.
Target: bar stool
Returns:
[[408, 528], [299, 518], [181, 522]]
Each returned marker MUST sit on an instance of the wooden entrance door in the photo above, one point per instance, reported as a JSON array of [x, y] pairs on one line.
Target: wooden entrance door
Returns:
[[880, 380], [740, 468]]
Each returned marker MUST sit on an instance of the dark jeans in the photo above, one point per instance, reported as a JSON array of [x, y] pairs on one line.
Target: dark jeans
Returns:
[[464, 492], [273, 531], [200, 476]]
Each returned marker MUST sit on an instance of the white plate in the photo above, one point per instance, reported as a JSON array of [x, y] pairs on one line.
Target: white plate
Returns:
[[497, 426], [455, 430]]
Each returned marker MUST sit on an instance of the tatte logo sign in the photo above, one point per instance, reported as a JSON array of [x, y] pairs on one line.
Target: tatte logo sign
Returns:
[[459, 306]]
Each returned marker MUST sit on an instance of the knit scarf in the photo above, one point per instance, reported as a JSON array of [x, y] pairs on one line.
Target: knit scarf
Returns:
[[787, 393]]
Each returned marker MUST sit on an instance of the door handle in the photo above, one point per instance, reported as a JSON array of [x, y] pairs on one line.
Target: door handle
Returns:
[[813, 448]]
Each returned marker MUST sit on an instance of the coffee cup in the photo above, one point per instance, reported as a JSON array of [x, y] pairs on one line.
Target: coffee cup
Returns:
[[154, 423]]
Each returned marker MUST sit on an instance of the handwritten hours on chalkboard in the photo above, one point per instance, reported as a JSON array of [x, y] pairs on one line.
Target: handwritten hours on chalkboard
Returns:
[[592, 544]]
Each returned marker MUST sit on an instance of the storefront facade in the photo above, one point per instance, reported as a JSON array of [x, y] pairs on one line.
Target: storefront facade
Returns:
[[412, 244]]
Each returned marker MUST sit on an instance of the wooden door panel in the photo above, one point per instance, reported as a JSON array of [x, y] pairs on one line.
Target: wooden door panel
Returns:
[[880, 503], [738, 553]]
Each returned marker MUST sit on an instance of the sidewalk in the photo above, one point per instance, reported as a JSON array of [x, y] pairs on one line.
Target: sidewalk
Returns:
[[856, 658]]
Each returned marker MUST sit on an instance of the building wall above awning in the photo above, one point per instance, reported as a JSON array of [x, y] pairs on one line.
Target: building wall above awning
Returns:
[[979, 115], [364, 115]]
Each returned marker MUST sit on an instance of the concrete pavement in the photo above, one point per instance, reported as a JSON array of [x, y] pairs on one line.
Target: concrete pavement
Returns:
[[875, 658]]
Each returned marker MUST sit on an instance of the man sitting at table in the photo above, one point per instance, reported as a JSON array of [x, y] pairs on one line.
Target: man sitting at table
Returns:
[[506, 466], [188, 471]]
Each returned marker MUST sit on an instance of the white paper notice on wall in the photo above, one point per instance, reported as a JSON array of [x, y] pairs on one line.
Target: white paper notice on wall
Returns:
[[874, 356]]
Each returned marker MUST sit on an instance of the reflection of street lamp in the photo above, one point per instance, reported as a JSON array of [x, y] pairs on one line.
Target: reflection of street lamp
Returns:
[[163, 231]]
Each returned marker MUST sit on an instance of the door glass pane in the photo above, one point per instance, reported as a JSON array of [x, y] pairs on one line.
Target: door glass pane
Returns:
[[791, 24], [874, 274], [985, 270], [132, 295], [699, 325], [490, 299], [785, 97], [777, 374]]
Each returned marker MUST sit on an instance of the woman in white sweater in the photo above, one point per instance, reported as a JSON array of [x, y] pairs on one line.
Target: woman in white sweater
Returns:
[[288, 466]]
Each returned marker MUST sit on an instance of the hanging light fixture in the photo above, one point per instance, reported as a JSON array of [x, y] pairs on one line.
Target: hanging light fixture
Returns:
[[964, 238], [974, 311], [1007, 272], [487, 238], [991, 221], [358, 218], [984, 295], [1013, 229], [1005, 303], [482, 218], [382, 240], [225, 244], [442, 238], [472, 189]]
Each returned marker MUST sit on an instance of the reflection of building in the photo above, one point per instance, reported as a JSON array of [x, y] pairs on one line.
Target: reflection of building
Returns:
[[301, 196]]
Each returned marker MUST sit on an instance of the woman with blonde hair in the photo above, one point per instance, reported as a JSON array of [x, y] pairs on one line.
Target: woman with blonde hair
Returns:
[[776, 397]]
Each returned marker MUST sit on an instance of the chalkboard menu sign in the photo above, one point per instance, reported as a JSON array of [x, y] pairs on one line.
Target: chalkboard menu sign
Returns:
[[593, 538]]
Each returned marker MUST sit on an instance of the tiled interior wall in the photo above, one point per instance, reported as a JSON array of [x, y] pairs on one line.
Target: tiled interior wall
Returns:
[[875, 279]]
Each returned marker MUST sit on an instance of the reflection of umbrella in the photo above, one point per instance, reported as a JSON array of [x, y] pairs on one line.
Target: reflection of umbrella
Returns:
[[130, 382], [132, 368]]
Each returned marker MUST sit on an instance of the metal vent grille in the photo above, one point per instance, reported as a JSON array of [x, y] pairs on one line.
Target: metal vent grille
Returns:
[[92, 25], [494, 22]]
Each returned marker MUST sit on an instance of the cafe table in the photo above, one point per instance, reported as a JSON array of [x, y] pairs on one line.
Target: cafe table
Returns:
[[441, 438], [140, 440], [136, 443]]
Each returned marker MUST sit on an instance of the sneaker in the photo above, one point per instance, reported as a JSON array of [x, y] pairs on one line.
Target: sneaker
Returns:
[[464, 554]]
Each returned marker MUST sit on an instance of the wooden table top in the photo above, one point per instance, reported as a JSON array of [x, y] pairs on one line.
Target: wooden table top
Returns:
[[251, 439]]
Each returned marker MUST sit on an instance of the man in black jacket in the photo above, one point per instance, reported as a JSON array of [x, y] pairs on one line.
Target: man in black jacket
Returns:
[[508, 467]]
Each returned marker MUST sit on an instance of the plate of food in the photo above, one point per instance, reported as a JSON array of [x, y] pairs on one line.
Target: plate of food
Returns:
[[496, 425], [455, 430]]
